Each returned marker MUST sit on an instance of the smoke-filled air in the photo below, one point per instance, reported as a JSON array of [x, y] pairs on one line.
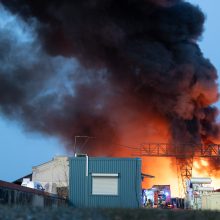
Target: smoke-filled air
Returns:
[[123, 72]]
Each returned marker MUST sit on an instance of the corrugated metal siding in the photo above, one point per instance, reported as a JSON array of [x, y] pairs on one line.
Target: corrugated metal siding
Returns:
[[129, 171], [78, 179]]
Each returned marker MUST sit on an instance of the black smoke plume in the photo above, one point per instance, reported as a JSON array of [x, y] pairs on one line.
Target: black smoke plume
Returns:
[[131, 60]]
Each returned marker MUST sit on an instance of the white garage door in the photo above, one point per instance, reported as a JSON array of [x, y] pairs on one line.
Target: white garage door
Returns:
[[104, 184]]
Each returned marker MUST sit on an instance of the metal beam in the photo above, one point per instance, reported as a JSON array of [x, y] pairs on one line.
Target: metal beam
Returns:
[[186, 150]]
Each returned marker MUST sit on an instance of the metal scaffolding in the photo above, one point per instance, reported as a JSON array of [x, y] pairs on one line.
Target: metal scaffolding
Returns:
[[180, 150], [184, 167], [184, 154]]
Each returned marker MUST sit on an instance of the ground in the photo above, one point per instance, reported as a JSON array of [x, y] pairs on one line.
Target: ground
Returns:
[[31, 213]]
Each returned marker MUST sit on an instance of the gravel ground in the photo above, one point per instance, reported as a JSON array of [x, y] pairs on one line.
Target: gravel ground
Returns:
[[30, 213]]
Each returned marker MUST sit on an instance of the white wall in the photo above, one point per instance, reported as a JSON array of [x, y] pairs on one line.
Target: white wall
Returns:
[[52, 174], [211, 201]]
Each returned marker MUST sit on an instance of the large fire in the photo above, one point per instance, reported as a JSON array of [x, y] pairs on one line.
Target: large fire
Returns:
[[166, 173], [201, 167], [123, 72]]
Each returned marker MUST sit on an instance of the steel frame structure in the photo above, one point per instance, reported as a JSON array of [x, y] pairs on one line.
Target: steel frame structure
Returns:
[[184, 154], [180, 150], [184, 167]]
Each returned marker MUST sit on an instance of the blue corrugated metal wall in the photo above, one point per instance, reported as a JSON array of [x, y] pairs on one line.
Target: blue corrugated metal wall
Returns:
[[129, 170]]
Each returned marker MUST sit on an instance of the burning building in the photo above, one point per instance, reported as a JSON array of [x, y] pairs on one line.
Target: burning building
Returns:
[[124, 72]]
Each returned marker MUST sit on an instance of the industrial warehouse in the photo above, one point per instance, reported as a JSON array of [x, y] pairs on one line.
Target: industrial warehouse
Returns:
[[103, 182]]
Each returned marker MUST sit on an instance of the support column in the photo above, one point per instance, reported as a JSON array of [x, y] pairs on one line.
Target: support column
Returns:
[[184, 165]]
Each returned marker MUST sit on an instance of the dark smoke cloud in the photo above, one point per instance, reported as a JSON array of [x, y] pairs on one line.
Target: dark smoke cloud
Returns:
[[138, 55]]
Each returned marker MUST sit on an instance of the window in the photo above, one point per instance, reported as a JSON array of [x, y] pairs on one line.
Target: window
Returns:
[[104, 184]]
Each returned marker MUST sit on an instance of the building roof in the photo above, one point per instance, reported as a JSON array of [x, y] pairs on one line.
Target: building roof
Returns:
[[56, 158], [19, 181]]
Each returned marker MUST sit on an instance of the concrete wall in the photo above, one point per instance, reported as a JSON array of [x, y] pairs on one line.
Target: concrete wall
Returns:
[[12, 194], [52, 174]]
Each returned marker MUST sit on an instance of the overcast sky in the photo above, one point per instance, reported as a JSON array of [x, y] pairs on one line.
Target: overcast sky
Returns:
[[19, 151]]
